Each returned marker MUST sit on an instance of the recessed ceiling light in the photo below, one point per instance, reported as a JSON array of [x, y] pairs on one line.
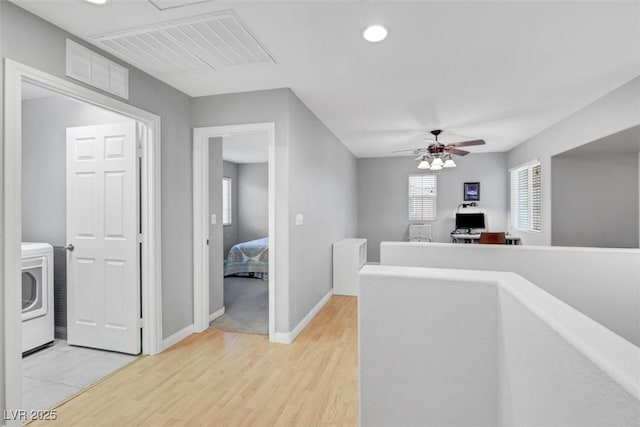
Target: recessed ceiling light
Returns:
[[96, 1], [375, 33]]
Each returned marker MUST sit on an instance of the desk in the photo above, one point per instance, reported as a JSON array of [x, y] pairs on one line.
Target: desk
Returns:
[[473, 238]]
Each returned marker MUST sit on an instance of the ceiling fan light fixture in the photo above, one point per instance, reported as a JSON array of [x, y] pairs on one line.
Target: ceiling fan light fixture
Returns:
[[375, 33], [424, 164], [449, 163], [440, 155]]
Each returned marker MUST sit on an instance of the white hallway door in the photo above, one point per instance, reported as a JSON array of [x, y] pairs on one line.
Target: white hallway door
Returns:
[[103, 282]]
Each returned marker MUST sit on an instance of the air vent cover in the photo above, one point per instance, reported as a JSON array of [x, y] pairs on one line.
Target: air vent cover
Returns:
[[89, 67], [204, 43], [172, 4]]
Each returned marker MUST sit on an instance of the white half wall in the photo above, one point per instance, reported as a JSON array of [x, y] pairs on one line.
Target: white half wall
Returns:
[[427, 350], [604, 284], [559, 368], [430, 341]]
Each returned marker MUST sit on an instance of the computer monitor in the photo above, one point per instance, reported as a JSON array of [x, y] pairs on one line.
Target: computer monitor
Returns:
[[469, 220]]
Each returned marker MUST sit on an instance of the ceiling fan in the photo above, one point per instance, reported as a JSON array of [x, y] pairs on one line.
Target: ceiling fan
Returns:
[[439, 153]]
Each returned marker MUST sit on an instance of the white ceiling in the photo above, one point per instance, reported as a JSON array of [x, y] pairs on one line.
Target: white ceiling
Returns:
[[501, 71], [247, 148]]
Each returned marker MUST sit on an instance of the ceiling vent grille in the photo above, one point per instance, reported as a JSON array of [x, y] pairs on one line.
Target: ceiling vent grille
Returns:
[[172, 4], [207, 42]]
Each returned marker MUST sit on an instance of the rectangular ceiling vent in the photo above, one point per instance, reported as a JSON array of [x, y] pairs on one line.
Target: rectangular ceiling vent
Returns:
[[204, 43], [172, 4]]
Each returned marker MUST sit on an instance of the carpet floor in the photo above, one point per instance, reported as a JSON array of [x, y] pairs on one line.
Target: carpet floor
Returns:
[[246, 302]]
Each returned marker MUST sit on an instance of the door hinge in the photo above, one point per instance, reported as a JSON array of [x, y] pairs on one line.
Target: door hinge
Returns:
[[142, 323], [207, 242], [139, 238]]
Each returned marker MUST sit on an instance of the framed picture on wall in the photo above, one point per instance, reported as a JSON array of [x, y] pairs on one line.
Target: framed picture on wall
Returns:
[[471, 191]]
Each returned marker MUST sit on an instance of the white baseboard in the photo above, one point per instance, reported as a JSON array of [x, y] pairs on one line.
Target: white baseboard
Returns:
[[288, 337], [177, 337], [185, 332], [214, 316]]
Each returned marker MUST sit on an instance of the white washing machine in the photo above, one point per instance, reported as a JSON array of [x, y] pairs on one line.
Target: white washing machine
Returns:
[[37, 295]]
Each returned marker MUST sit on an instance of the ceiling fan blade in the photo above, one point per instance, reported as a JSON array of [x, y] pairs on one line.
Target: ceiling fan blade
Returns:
[[467, 143], [420, 157], [455, 151]]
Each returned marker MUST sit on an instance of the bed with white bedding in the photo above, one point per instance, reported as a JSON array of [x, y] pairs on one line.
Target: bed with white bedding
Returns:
[[249, 259]]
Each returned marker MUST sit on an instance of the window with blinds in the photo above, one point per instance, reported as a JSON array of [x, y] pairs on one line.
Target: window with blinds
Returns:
[[423, 197], [526, 197], [226, 201]]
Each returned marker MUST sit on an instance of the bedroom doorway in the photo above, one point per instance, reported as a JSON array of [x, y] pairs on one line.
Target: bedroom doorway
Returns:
[[243, 198], [235, 237]]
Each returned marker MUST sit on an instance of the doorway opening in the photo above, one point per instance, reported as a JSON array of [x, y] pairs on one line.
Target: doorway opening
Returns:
[[244, 203], [141, 203], [246, 256], [80, 255]]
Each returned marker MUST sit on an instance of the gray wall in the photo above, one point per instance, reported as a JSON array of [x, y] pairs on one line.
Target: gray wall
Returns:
[[230, 232], [594, 200], [259, 107], [44, 188], [37, 43], [250, 203], [383, 201], [323, 188], [216, 256], [616, 111], [253, 201]]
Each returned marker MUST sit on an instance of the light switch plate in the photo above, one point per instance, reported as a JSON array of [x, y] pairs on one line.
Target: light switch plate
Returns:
[[299, 219], [213, 219]]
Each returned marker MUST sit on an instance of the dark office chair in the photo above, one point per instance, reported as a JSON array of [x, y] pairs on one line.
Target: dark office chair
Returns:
[[493, 239]]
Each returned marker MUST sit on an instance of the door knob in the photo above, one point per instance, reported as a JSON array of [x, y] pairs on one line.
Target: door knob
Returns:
[[69, 247]]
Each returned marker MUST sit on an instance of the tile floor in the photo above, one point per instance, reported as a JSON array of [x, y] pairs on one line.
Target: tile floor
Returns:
[[51, 375]]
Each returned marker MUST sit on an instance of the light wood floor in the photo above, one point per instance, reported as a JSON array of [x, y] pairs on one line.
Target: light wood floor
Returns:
[[221, 378]]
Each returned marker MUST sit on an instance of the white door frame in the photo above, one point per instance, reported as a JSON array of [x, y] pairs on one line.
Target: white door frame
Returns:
[[201, 138], [11, 226]]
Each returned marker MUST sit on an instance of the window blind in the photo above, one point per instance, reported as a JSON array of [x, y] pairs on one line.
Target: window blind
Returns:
[[526, 198], [226, 201], [423, 197]]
